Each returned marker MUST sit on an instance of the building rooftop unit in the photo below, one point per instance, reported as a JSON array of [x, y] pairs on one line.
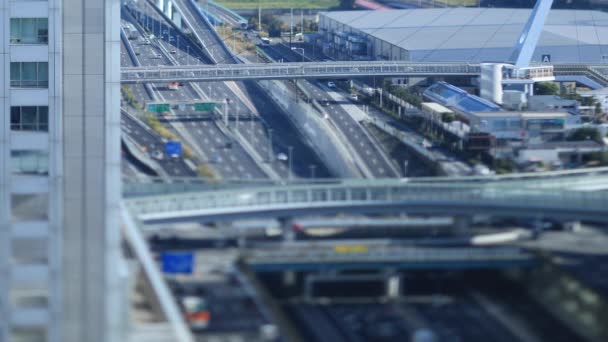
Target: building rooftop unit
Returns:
[[478, 34]]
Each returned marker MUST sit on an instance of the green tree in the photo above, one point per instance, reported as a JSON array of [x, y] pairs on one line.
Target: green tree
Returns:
[[347, 4], [546, 88], [585, 133]]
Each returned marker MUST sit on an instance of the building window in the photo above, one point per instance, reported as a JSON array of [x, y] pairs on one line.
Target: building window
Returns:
[[29, 207], [28, 162], [30, 118], [30, 74], [29, 30]]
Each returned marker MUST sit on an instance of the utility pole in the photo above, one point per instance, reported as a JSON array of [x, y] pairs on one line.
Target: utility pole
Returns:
[[302, 22], [290, 27], [259, 16]]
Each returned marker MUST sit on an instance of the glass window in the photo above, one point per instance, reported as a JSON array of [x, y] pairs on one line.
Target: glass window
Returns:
[[30, 118], [29, 207], [28, 162], [29, 74], [29, 30]]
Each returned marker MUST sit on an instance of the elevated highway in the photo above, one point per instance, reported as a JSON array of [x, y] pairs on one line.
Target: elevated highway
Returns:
[[376, 196]]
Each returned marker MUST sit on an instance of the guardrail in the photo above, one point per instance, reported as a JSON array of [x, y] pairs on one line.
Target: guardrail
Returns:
[[372, 196], [564, 179]]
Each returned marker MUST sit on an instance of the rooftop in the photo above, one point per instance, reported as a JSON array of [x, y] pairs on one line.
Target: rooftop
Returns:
[[482, 34]]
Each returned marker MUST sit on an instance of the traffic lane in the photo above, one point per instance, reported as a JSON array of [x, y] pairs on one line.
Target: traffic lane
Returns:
[[152, 144], [219, 91], [228, 165], [360, 141], [232, 160]]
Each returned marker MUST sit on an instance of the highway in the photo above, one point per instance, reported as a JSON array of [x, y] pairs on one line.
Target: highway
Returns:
[[448, 161], [152, 142], [209, 141], [375, 159], [263, 125]]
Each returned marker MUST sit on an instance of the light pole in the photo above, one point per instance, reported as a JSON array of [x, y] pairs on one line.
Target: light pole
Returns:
[[312, 168], [270, 145], [226, 112], [290, 156], [303, 51], [236, 113], [188, 54]]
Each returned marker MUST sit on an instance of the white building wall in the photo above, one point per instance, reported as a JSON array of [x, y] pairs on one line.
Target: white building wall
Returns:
[[67, 258]]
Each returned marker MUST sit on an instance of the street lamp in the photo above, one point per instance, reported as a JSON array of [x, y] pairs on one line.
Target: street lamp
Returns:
[[312, 168], [303, 51], [270, 145], [290, 148]]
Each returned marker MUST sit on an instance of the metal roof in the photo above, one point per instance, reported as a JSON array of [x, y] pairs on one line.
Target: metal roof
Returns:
[[482, 34]]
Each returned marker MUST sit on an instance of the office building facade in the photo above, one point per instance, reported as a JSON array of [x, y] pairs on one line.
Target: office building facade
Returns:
[[60, 170]]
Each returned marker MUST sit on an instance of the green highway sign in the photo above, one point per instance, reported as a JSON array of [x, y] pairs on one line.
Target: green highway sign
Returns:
[[159, 107], [204, 106]]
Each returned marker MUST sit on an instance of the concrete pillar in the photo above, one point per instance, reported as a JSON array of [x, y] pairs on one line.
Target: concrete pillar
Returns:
[[177, 19], [286, 225], [169, 9], [393, 286], [573, 226], [289, 278]]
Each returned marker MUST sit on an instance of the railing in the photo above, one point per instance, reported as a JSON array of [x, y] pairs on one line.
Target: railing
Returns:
[[565, 180], [309, 253], [428, 197], [533, 72], [292, 70]]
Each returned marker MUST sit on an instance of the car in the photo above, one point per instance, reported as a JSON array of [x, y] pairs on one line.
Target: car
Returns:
[[353, 97], [137, 53], [165, 32], [282, 157], [331, 85], [158, 155], [157, 56], [173, 51], [146, 41], [171, 38]]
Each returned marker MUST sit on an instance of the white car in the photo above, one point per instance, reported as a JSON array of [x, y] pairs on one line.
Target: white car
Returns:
[[331, 85], [158, 155], [354, 97], [282, 157]]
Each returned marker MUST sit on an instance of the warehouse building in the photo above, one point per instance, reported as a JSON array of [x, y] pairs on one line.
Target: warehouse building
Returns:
[[462, 34]]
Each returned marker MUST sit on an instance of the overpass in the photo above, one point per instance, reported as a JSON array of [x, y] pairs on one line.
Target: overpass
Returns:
[[311, 70], [373, 196], [591, 75]]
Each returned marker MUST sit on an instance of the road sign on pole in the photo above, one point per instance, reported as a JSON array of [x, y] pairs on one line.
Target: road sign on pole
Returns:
[[177, 262], [173, 148]]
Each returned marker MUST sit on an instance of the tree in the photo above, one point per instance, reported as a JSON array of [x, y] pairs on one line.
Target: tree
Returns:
[[585, 133], [546, 88], [347, 4]]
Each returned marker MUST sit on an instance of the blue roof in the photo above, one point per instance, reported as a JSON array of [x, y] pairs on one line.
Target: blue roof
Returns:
[[458, 99]]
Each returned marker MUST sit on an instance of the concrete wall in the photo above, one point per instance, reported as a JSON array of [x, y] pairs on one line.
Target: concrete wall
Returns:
[[91, 165]]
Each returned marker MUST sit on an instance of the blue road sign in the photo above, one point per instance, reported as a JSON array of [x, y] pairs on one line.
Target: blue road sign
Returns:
[[173, 148], [174, 262]]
